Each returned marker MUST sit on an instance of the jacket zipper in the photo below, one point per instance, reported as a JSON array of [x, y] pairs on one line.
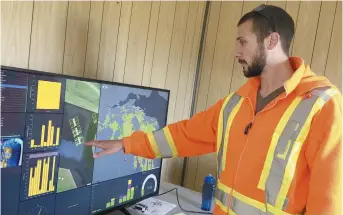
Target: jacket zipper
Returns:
[[246, 132]]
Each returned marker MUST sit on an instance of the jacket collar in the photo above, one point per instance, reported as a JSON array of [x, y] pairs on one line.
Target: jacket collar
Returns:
[[296, 83]]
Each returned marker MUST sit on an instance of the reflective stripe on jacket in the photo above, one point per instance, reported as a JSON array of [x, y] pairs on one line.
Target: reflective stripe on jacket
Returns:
[[285, 146], [286, 159]]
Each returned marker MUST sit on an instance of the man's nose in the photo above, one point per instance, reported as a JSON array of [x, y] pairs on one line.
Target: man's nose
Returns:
[[238, 56], [238, 53]]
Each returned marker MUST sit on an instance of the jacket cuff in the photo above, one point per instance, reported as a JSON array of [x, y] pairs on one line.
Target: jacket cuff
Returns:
[[127, 145]]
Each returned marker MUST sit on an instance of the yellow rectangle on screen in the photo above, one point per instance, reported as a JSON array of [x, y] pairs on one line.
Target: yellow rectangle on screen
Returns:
[[48, 95]]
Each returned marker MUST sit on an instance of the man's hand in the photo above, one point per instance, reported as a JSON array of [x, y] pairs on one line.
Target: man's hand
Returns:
[[108, 146]]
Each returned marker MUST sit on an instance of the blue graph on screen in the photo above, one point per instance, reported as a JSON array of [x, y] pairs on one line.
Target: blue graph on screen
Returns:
[[124, 110]]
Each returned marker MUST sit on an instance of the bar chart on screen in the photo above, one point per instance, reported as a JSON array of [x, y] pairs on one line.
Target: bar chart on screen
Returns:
[[43, 132], [107, 194], [40, 174], [129, 194]]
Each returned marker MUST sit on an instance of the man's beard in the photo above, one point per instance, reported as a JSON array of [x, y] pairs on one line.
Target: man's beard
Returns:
[[257, 65]]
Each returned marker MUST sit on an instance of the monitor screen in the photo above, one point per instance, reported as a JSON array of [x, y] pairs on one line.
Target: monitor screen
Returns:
[[46, 118]]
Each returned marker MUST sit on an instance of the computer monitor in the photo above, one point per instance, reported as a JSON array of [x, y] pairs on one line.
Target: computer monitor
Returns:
[[46, 118]]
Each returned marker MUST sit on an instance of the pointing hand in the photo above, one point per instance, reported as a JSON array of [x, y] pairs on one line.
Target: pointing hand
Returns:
[[108, 146]]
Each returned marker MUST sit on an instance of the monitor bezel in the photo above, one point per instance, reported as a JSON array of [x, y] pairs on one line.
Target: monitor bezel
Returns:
[[67, 76]]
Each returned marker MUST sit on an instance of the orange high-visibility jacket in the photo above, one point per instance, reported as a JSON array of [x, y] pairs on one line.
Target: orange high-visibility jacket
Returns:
[[286, 159]]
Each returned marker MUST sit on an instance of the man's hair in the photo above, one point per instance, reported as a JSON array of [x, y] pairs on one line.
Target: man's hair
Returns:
[[271, 19]]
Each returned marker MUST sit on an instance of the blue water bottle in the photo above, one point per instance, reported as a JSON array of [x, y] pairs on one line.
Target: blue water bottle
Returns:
[[208, 192]]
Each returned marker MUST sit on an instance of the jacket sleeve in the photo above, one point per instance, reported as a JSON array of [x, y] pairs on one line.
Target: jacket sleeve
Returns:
[[324, 155], [191, 137]]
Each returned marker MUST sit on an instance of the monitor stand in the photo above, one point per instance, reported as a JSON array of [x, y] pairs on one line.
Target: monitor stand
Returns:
[[124, 211]]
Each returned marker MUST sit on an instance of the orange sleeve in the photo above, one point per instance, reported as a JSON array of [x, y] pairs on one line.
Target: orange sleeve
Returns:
[[191, 137], [324, 155]]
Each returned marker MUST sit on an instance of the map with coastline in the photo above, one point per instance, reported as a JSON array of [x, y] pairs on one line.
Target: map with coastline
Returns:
[[124, 110]]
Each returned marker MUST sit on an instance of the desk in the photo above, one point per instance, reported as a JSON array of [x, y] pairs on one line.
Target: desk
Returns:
[[189, 199]]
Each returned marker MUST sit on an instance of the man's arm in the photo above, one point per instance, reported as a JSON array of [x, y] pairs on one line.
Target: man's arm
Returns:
[[324, 155], [190, 137]]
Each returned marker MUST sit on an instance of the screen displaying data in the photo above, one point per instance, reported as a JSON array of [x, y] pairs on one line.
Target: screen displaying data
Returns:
[[124, 110], [39, 174], [43, 132], [45, 121], [13, 91]]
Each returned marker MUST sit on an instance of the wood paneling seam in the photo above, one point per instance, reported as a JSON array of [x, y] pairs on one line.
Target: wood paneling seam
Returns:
[[153, 54], [33, 10], [332, 29], [214, 54], [89, 20], [295, 30], [178, 81], [65, 38], [167, 70], [102, 21], [115, 54], [315, 36], [189, 66], [171, 40], [197, 73], [190, 55], [127, 43], [183, 49], [200, 63], [146, 42]]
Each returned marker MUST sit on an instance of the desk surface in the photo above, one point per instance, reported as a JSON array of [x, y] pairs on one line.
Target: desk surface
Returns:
[[189, 199]]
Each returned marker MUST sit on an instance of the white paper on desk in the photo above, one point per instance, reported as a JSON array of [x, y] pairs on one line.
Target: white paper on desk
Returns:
[[155, 207]]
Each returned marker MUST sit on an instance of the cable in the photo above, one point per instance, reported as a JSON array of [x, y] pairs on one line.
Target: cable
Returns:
[[178, 202]]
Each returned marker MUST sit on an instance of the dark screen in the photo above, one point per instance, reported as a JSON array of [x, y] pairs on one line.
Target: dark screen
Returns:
[[45, 120]]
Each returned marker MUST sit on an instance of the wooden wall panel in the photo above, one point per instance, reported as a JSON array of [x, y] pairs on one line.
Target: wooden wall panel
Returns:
[[192, 36], [76, 38], [206, 63], [123, 37], [162, 55], [173, 75], [151, 41], [317, 39], [48, 36], [108, 40], [93, 39], [194, 60], [176, 53], [207, 58], [139, 28], [15, 43], [281, 4], [323, 37], [230, 14], [292, 7], [162, 44], [306, 30], [141, 43], [192, 161], [333, 69]]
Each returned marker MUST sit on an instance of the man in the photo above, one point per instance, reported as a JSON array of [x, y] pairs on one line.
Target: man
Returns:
[[277, 139]]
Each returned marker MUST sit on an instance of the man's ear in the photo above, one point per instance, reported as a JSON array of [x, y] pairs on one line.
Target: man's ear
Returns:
[[273, 40]]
